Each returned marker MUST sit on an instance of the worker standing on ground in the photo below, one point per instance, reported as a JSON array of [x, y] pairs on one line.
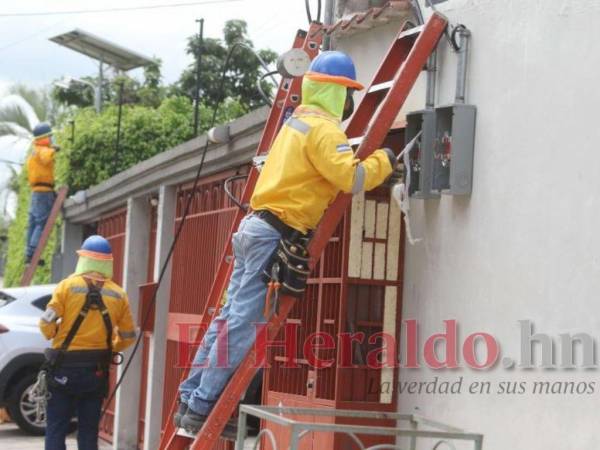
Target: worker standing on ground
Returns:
[[88, 318], [310, 162], [40, 172]]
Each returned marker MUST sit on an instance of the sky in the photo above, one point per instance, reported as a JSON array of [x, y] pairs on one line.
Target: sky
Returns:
[[27, 56]]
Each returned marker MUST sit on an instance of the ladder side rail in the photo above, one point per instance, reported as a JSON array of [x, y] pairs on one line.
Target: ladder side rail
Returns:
[[380, 125], [37, 255]]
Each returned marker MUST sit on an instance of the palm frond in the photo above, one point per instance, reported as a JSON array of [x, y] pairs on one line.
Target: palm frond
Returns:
[[38, 99], [13, 129], [14, 109]]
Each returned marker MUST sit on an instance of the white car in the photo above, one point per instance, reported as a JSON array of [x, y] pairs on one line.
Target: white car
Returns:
[[22, 351]]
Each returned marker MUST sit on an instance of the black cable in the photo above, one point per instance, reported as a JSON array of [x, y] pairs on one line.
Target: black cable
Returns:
[[451, 37], [418, 11], [230, 194], [260, 89], [308, 13], [458, 28], [177, 232]]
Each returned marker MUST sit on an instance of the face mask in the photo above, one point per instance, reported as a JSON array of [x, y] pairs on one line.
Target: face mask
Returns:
[[349, 105]]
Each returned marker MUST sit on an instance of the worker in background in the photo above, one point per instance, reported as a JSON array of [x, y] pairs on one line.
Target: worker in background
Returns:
[[88, 318], [310, 162], [40, 172]]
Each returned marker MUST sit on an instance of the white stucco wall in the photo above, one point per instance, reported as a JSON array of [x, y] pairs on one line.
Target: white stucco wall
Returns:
[[526, 244]]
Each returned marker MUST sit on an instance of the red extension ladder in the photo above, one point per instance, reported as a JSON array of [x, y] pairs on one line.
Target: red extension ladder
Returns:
[[54, 212], [367, 128]]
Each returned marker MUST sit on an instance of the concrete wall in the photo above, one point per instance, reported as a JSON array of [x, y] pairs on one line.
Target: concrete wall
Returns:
[[525, 244]]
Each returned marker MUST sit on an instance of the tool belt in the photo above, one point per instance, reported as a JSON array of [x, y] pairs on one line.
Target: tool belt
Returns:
[[284, 230], [48, 185], [79, 358]]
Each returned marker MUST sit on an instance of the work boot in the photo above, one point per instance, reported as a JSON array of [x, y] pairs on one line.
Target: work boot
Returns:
[[182, 409], [230, 430], [192, 422]]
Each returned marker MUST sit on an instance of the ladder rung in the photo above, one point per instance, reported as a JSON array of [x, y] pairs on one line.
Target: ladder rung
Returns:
[[411, 31], [355, 141], [380, 86]]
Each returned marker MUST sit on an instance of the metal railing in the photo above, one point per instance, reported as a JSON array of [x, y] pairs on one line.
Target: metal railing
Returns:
[[408, 425]]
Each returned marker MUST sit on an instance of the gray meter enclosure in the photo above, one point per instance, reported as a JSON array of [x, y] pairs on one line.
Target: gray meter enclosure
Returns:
[[421, 156], [453, 149]]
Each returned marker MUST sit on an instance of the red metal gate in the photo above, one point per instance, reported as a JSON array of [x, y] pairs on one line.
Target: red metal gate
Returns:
[[195, 263], [112, 227]]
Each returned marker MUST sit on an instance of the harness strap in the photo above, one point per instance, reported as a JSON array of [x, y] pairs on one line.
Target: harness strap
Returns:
[[93, 300], [105, 314]]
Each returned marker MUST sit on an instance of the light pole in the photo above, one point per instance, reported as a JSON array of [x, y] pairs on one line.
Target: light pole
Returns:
[[67, 82]]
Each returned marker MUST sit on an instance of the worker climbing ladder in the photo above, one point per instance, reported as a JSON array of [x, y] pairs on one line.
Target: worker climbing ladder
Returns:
[[61, 195], [367, 129]]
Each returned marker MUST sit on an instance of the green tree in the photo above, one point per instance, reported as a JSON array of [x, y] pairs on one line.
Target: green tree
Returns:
[[243, 72], [150, 92]]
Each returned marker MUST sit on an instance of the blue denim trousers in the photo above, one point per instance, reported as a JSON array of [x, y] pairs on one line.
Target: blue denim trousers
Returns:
[[39, 210], [79, 394], [253, 244]]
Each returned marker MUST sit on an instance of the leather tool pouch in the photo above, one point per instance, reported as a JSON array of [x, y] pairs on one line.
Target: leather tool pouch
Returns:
[[289, 267]]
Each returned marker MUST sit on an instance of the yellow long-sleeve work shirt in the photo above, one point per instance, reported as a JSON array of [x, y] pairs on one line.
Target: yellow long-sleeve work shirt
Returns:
[[64, 307], [40, 168], [310, 162]]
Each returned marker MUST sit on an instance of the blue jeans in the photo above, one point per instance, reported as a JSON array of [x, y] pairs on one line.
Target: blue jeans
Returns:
[[253, 244], [80, 392], [39, 210]]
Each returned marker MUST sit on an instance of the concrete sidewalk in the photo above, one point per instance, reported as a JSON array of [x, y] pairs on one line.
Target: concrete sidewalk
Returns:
[[12, 438]]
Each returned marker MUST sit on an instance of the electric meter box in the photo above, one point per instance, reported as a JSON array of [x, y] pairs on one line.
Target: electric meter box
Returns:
[[421, 156], [453, 149]]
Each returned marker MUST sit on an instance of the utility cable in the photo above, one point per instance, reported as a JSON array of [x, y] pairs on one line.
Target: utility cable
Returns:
[[450, 36], [127, 8], [230, 194], [186, 211], [259, 81], [308, 11]]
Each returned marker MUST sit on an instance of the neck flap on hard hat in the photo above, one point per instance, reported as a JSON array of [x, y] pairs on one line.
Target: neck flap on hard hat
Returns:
[[329, 97], [87, 265]]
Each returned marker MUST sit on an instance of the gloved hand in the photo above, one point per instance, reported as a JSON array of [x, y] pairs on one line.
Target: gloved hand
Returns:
[[397, 174], [56, 148], [392, 157]]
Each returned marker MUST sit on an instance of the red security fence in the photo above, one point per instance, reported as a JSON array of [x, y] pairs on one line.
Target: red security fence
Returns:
[[112, 227], [355, 288], [195, 263]]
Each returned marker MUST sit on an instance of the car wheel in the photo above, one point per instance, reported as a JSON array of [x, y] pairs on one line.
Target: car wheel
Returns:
[[23, 411]]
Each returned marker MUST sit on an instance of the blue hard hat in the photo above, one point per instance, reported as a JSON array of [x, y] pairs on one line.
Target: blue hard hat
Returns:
[[96, 247], [42, 129], [334, 67]]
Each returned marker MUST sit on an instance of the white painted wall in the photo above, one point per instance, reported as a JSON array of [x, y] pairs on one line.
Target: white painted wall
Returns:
[[525, 244]]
